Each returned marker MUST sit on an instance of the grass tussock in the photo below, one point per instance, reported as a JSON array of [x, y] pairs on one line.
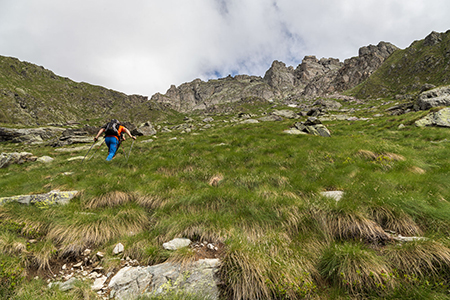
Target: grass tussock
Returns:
[[41, 254], [11, 244], [420, 259], [112, 199], [398, 223], [90, 229], [356, 269], [353, 225], [268, 269]]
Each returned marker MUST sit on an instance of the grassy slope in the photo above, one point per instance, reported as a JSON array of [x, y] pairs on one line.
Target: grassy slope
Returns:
[[284, 241], [30, 95], [406, 71]]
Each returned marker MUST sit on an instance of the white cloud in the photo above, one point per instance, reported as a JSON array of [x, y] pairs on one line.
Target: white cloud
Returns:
[[144, 46]]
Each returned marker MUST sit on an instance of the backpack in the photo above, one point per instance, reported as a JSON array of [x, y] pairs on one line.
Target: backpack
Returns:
[[112, 128]]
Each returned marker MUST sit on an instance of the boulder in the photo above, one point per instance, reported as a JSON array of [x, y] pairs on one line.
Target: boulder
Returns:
[[328, 104], [434, 98], [45, 159], [336, 195], [145, 129], [119, 248], [29, 135], [7, 159], [285, 113], [270, 118], [197, 278], [176, 244], [312, 126], [440, 118], [53, 197]]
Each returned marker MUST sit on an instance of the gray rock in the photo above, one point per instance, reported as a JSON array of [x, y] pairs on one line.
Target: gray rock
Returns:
[[249, 121], [294, 131], [53, 197], [434, 98], [286, 113], [119, 248], [197, 278], [336, 195], [45, 159], [440, 118], [29, 135], [208, 120], [145, 129], [65, 286], [312, 126], [270, 118], [328, 104], [98, 283], [7, 159], [177, 243]]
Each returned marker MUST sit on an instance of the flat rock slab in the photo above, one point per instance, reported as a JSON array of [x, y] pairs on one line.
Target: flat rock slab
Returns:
[[198, 278], [336, 195], [176, 244], [53, 197]]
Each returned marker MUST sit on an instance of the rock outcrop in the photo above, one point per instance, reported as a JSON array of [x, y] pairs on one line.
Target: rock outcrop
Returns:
[[434, 98], [440, 118], [353, 71], [197, 278], [313, 77], [312, 126], [29, 135], [7, 159], [53, 197]]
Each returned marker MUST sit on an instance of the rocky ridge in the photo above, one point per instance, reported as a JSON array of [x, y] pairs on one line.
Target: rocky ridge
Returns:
[[312, 78]]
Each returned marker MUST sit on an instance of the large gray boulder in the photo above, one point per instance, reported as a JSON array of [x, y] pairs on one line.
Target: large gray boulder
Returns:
[[145, 129], [29, 135], [197, 278], [7, 159], [440, 118], [434, 98], [312, 126], [53, 197]]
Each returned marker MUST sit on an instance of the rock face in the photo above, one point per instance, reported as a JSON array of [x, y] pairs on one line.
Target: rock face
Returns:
[[199, 95], [197, 278], [434, 98], [29, 136], [354, 70], [313, 77]]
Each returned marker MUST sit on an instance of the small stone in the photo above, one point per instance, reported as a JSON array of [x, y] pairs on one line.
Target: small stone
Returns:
[[87, 252], [177, 244], [100, 254], [119, 248], [64, 267], [78, 265]]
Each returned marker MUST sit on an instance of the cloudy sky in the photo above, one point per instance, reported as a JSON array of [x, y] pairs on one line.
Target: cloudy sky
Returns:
[[144, 46]]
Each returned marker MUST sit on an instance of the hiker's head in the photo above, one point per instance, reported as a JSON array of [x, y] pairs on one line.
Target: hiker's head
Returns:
[[115, 121]]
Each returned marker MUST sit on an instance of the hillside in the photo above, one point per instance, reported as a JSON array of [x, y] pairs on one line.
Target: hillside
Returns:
[[279, 187], [33, 95], [406, 72]]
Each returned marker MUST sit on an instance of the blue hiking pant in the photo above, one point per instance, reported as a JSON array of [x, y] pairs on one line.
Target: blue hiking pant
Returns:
[[112, 143]]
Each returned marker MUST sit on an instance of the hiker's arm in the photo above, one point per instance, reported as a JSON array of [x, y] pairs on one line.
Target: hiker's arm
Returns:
[[129, 134], [98, 134]]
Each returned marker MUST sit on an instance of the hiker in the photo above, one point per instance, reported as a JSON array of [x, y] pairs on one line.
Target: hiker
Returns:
[[113, 136]]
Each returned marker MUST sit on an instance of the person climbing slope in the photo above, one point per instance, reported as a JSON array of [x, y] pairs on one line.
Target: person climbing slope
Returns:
[[113, 132]]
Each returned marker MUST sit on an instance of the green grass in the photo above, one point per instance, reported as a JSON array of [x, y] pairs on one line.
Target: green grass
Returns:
[[283, 239]]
